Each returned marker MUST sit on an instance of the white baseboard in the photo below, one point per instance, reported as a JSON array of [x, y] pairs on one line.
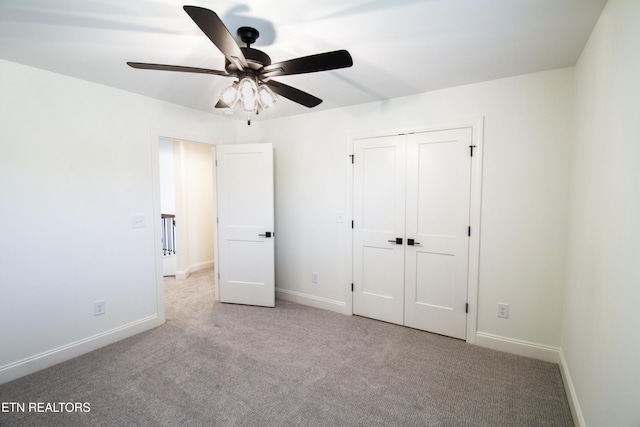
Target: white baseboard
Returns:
[[182, 275], [521, 348], [58, 355], [572, 396], [312, 300]]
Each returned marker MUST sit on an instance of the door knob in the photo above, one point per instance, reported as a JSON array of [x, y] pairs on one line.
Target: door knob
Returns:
[[412, 242], [266, 234], [397, 241]]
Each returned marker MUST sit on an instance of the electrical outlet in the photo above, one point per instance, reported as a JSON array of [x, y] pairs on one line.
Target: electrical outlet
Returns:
[[314, 277], [503, 310], [99, 307]]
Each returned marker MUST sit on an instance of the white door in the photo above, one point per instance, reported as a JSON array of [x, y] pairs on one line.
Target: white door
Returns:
[[379, 211], [245, 224], [410, 237], [437, 225]]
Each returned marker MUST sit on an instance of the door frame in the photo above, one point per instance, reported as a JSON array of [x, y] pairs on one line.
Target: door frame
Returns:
[[155, 134], [477, 133]]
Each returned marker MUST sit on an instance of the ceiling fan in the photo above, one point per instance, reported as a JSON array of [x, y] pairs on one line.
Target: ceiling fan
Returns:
[[254, 87]]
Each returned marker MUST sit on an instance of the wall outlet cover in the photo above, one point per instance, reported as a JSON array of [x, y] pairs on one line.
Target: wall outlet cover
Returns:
[[99, 307], [503, 310]]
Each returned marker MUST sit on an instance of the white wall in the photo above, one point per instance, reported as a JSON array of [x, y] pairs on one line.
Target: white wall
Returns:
[[75, 166], [193, 165], [524, 202], [167, 176], [600, 344]]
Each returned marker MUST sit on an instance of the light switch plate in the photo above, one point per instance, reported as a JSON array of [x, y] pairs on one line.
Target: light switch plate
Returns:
[[138, 221]]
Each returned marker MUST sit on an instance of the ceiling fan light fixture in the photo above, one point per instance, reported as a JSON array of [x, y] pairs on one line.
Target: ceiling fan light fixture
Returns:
[[230, 95], [252, 66], [266, 96], [248, 90]]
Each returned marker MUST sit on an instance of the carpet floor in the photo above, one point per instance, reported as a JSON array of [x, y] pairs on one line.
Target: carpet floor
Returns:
[[216, 364]]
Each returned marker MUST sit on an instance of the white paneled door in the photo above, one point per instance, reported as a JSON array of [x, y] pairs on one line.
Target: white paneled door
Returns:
[[379, 216], [245, 224], [411, 223]]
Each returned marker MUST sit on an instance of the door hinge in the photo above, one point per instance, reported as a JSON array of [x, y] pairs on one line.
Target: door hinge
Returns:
[[466, 309], [352, 287], [469, 231], [218, 276], [353, 157], [472, 147], [351, 223]]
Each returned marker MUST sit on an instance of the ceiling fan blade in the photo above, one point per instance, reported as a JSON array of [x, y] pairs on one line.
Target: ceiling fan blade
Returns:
[[162, 67], [309, 64], [296, 95], [212, 27]]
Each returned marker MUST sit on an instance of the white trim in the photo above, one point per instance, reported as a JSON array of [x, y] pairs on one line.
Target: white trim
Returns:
[[572, 396], [69, 351], [181, 136], [182, 275], [312, 300], [477, 126], [157, 223], [519, 347], [475, 210], [348, 230], [444, 125], [216, 244]]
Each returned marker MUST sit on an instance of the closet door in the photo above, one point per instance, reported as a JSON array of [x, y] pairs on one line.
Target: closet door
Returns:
[[379, 215], [437, 221]]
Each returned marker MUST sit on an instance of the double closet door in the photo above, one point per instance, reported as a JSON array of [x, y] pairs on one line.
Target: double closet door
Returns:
[[411, 229]]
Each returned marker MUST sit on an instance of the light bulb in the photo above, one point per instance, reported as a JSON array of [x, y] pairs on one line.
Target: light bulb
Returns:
[[249, 104], [266, 96], [248, 94], [230, 95]]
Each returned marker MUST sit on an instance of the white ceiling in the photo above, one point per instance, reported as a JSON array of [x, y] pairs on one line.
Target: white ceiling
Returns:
[[399, 47]]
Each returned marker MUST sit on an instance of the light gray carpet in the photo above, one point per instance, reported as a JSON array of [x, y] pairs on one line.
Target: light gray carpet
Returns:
[[231, 365]]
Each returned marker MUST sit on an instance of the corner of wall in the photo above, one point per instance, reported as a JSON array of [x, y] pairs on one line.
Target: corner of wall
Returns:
[[312, 301], [521, 348], [569, 388]]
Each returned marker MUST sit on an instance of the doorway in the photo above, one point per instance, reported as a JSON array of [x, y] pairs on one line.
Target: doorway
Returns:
[[198, 252], [187, 207]]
